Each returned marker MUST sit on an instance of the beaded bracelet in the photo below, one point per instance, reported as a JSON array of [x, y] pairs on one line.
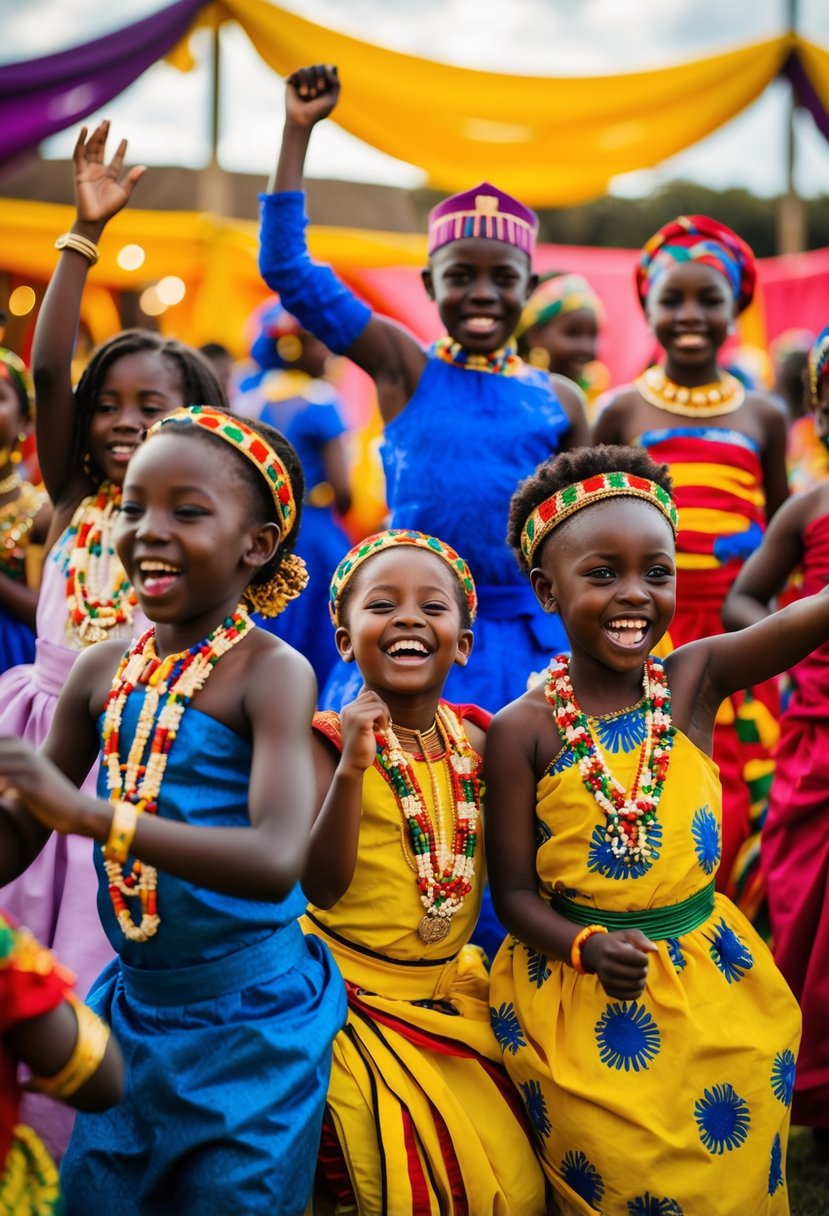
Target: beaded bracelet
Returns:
[[579, 940], [89, 1049], [121, 832], [80, 244]]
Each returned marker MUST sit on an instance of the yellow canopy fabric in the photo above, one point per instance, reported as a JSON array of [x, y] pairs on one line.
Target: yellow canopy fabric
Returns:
[[552, 141], [216, 259]]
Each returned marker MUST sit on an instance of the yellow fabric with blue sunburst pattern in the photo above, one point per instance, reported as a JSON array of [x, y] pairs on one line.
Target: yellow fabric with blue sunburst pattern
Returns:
[[676, 1104]]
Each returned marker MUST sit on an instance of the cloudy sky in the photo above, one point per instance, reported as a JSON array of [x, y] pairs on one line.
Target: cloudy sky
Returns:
[[165, 114]]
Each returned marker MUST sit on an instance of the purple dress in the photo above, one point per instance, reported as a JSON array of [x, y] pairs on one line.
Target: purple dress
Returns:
[[56, 897]]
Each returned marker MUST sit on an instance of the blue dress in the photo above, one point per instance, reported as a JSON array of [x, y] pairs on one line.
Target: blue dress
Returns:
[[226, 1019], [453, 458], [310, 419]]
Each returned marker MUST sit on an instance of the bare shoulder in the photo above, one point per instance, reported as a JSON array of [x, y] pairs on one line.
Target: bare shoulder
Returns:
[[524, 728], [94, 670], [274, 669], [770, 410]]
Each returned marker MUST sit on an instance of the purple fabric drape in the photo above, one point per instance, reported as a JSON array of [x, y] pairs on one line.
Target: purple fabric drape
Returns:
[[804, 93], [41, 96]]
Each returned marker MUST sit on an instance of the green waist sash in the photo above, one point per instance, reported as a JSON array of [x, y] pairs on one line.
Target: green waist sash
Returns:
[[656, 923]]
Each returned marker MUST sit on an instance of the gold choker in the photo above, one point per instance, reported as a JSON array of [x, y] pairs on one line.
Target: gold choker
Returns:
[[428, 743], [722, 397]]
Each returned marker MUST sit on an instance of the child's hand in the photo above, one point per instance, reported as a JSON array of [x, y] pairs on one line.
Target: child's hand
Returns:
[[33, 781], [101, 190], [361, 720], [620, 960], [311, 94]]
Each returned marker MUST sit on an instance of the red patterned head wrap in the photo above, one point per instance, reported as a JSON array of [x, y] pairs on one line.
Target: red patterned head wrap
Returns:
[[697, 238]]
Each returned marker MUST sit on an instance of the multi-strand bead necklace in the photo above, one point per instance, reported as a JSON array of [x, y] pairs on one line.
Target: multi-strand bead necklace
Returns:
[[444, 877], [99, 595], [170, 683], [630, 816]]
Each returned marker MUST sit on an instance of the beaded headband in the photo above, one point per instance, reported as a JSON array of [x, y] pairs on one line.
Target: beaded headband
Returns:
[[389, 539], [245, 440], [13, 369], [564, 503], [555, 296], [818, 363]]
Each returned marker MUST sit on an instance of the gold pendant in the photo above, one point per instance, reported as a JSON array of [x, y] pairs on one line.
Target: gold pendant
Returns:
[[433, 928]]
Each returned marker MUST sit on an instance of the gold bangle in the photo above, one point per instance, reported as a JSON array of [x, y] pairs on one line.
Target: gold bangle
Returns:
[[579, 941], [121, 831], [80, 244], [89, 1049]]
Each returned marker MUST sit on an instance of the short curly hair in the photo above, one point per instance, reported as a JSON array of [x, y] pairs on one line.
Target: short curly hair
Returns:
[[576, 465]]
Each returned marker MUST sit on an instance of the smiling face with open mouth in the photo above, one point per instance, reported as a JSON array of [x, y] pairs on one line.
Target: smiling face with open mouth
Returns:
[[403, 623], [480, 287], [610, 569], [690, 310], [137, 390]]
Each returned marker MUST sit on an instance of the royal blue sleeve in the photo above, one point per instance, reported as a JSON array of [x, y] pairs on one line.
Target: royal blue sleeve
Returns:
[[310, 290]]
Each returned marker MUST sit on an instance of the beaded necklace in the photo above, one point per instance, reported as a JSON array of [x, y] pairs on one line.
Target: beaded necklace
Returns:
[[16, 519], [444, 878], [722, 397], [173, 681], [99, 595], [629, 816], [13, 482], [503, 362]]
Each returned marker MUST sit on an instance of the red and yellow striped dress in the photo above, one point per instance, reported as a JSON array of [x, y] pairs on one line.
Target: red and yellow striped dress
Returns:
[[718, 487]]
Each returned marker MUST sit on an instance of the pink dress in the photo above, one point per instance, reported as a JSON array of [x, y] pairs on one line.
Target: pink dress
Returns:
[[794, 849], [56, 897]]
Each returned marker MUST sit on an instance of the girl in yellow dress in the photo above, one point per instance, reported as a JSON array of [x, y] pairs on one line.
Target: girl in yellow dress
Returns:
[[641, 1017], [421, 1117]]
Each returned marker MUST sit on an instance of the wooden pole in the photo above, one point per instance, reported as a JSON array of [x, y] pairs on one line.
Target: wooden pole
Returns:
[[214, 192], [791, 214]]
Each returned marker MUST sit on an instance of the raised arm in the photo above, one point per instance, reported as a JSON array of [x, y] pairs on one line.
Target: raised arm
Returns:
[[101, 190], [336, 832], [323, 305], [702, 674]]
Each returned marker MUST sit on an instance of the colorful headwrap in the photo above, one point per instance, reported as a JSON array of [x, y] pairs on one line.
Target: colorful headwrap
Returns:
[[564, 503], [269, 327], [483, 211], [556, 295], [13, 369], [818, 363], [390, 539], [697, 238]]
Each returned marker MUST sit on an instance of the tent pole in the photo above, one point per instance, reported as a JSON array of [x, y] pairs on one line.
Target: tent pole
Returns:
[[791, 214], [214, 193]]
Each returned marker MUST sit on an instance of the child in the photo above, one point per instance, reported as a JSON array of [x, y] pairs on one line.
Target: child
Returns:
[[70, 1052], [559, 330], [293, 392], [24, 517], [462, 420], [725, 448], [225, 1011], [640, 1014], [420, 1117], [85, 439], [794, 850]]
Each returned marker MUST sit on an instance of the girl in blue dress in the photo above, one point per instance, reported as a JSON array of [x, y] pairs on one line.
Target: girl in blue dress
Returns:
[[463, 420], [224, 1011]]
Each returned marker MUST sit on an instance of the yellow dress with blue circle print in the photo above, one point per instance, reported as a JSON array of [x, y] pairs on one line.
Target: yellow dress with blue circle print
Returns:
[[677, 1103]]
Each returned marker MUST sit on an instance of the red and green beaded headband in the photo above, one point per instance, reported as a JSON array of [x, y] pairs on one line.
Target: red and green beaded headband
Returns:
[[561, 505], [245, 440], [389, 540]]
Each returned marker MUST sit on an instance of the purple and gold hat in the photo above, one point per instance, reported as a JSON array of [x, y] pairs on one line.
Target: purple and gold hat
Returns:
[[483, 211]]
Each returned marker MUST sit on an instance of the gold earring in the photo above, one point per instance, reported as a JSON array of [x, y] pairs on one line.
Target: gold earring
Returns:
[[289, 348], [539, 357]]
